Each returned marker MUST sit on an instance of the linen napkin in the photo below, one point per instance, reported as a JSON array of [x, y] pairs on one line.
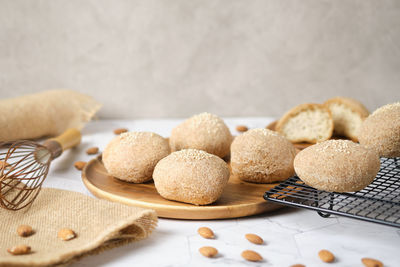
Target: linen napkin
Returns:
[[47, 113], [99, 225]]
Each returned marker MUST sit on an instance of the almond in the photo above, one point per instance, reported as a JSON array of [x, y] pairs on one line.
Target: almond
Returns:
[[19, 250], [206, 232], [251, 255], [255, 239], [66, 234], [369, 262], [120, 131], [24, 230], [242, 128], [92, 150], [326, 255], [79, 165], [209, 252], [297, 265]]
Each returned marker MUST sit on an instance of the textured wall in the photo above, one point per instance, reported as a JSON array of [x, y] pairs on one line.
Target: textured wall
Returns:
[[175, 58]]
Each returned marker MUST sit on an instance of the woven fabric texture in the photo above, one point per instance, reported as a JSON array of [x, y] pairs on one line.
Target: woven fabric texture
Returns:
[[99, 225], [47, 113]]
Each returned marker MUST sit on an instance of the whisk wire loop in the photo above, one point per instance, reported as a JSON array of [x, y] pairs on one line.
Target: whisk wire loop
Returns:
[[23, 167]]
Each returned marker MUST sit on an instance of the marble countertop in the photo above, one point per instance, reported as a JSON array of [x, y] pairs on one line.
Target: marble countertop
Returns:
[[291, 235]]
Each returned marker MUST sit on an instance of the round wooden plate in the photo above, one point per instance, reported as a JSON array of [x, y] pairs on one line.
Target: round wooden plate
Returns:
[[239, 198]]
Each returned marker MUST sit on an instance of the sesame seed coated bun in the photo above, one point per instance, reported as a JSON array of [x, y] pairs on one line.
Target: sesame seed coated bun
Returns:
[[381, 131], [132, 156], [203, 131], [262, 156], [191, 176], [337, 166]]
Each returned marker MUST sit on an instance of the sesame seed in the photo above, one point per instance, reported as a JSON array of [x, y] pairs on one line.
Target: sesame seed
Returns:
[[387, 108], [265, 132], [340, 146], [191, 154], [206, 120], [132, 137]]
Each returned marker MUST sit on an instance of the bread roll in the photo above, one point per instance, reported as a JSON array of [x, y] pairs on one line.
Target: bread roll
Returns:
[[306, 123], [381, 131], [337, 166], [348, 115], [132, 156], [262, 156], [191, 176], [204, 131]]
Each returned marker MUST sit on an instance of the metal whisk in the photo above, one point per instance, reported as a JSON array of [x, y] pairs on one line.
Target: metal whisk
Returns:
[[24, 166]]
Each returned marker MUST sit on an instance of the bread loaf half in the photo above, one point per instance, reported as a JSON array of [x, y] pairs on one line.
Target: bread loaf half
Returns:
[[348, 114], [306, 123]]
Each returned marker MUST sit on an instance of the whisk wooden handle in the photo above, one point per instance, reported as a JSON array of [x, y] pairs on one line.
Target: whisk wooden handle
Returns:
[[70, 138]]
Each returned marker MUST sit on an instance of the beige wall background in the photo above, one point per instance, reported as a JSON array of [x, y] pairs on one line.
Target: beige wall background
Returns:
[[175, 58]]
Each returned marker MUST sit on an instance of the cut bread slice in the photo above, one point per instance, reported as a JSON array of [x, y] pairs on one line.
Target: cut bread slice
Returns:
[[348, 115], [310, 123]]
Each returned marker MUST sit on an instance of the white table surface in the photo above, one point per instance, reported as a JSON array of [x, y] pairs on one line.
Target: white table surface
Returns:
[[291, 235]]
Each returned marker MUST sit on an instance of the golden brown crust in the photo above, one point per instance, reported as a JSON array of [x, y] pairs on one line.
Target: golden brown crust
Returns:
[[298, 109], [262, 156], [337, 166], [381, 131]]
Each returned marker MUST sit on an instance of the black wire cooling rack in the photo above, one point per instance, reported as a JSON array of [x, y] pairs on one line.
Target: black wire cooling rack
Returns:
[[379, 202]]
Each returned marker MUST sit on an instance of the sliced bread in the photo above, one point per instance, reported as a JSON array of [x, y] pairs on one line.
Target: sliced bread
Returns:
[[310, 123], [348, 115]]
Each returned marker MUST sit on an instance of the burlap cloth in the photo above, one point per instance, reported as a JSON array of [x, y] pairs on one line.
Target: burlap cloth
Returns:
[[99, 225], [47, 113]]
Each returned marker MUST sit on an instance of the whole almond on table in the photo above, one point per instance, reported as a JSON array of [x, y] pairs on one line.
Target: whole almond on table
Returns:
[[206, 232], [209, 252], [241, 128], [369, 262], [79, 165], [297, 265], [255, 239], [24, 230], [251, 255], [120, 131], [19, 250], [66, 234], [92, 150], [326, 255]]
